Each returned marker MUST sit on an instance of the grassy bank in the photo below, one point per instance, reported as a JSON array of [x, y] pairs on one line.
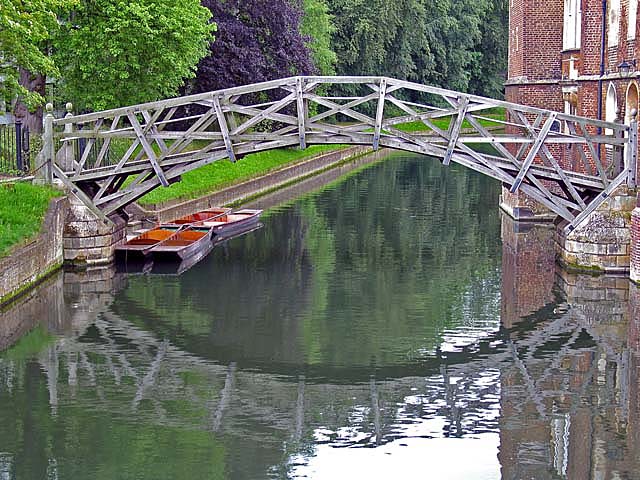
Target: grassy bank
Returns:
[[490, 118], [221, 174], [22, 209]]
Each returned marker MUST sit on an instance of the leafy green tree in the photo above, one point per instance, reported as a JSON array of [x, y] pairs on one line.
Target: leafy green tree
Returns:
[[373, 38], [456, 44], [488, 71], [317, 25], [25, 27], [117, 52]]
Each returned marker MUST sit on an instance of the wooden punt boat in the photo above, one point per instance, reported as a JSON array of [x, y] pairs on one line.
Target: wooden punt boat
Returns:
[[201, 216], [167, 243], [231, 223]]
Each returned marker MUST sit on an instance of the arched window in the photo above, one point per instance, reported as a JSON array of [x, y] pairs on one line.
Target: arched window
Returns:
[[631, 101], [611, 107]]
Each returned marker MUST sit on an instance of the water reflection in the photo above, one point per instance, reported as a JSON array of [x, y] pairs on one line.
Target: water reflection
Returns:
[[376, 328]]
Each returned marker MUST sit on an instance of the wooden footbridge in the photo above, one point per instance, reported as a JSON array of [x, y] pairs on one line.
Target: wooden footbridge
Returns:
[[569, 164]]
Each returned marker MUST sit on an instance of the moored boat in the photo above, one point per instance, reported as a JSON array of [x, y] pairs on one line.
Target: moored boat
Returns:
[[204, 215], [167, 243], [230, 223]]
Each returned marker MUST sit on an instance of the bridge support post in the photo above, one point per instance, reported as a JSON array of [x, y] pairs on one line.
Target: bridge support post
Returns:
[[44, 161]]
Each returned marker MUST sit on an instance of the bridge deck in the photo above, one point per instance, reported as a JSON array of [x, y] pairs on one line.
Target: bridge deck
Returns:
[[569, 164]]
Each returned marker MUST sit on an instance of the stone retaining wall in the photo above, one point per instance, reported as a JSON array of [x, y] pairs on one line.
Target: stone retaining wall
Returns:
[[250, 188], [32, 262], [601, 243]]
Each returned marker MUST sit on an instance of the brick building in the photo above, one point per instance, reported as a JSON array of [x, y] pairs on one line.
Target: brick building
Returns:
[[576, 56], [573, 56]]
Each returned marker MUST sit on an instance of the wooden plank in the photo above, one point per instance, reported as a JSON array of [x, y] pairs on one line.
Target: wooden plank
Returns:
[[583, 156], [632, 154], [531, 174], [594, 155], [379, 114], [552, 161], [335, 108], [286, 101], [302, 113], [84, 198], [224, 129], [88, 147], [539, 140], [106, 143], [595, 203], [455, 130], [151, 155]]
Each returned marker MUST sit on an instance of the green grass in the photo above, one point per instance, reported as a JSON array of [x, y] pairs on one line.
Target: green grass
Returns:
[[22, 209], [223, 173], [443, 123]]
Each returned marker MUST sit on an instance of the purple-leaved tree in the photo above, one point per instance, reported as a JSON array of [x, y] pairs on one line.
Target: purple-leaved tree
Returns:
[[256, 40]]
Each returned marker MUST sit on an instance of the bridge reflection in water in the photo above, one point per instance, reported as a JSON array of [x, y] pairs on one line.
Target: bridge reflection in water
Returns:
[[535, 378], [558, 379]]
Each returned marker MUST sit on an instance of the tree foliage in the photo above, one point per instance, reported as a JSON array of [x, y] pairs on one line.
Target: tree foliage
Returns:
[[445, 43], [317, 26], [489, 69], [25, 27], [257, 40], [118, 52]]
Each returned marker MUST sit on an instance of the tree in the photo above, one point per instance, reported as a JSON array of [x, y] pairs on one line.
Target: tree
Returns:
[[456, 44], [257, 40], [317, 26], [25, 27], [120, 52], [372, 38], [489, 69]]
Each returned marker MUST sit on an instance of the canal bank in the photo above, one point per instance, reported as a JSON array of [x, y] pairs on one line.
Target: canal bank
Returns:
[[73, 236]]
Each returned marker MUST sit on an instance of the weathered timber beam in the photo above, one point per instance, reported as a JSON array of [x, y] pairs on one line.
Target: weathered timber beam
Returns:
[[379, 114], [84, 198], [286, 101], [539, 140], [224, 129], [454, 132], [302, 113], [151, 155]]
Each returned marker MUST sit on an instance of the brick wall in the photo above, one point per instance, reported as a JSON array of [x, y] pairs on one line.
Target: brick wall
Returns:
[[535, 39], [30, 262]]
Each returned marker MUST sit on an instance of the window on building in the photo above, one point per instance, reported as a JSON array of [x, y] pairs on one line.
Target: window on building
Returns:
[[614, 22], [611, 107], [572, 24], [570, 98], [633, 13]]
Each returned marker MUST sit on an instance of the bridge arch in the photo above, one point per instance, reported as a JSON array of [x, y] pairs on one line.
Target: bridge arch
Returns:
[[160, 141]]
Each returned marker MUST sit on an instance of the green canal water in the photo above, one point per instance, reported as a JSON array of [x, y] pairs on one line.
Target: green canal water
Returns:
[[391, 324]]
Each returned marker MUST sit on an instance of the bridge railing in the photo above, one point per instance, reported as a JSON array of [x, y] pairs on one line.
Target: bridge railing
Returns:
[[112, 158]]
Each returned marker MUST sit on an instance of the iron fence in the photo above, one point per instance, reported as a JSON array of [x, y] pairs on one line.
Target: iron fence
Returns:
[[15, 149]]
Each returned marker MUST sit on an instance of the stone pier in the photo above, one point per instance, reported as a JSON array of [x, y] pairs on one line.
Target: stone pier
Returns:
[[88, 240]]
